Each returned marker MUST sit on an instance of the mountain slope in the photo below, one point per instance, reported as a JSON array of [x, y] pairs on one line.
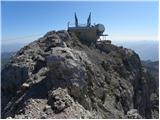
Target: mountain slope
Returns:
[[5, 57], [153, 68], [57, 76]]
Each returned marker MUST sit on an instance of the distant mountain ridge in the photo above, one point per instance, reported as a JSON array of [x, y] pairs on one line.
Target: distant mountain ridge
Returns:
[[147, 50], [5, 57]]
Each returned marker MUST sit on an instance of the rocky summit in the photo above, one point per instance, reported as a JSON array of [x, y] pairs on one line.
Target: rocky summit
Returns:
[[58, 76]]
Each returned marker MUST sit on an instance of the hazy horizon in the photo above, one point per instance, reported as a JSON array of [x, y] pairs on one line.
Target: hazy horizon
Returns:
[[126, 22], [147, 50]]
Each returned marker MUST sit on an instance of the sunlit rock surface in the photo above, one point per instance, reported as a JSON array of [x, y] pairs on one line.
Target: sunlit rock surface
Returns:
[[57, 76]]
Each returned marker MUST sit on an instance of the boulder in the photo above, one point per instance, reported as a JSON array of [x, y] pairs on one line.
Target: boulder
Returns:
[[59, 100], [133, 114]]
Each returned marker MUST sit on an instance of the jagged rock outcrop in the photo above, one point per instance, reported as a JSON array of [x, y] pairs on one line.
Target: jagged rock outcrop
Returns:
[[133, 114], [57, 76]]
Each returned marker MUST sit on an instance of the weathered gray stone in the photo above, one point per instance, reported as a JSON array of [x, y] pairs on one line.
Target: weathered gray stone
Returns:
[[133, 114], [59, 100], [57, 76], [24, 86]]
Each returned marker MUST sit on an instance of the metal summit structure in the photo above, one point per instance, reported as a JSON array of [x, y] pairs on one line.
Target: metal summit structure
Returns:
[[87, 32]]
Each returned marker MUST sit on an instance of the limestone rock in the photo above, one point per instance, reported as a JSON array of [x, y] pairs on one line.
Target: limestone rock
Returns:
[[59, 100], [24, 86], [57, 76], [133, 114]]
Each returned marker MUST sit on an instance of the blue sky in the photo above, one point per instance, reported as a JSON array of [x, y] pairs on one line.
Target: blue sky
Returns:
[[23, 22]]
